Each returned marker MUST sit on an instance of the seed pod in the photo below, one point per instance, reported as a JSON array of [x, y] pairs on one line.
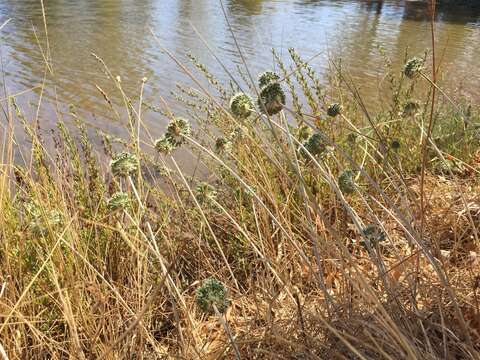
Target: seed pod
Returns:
[[241, 105], [124, 164], [212, 294], [266, 78], [334, 110], [315, 146], [272, 98], [164, 145], [177, 129], [413, 67]]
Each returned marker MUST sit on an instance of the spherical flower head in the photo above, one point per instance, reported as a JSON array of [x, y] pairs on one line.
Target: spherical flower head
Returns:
[[346, 182], [272, 98], [413, 67], [164, 145], [205, 193], [315, 146], [241, 105], [334, 110], [411, 108], [267, 77], [119, 200], [373, 234], [124, 164], [222, 145], [177, 129], [212, 294]]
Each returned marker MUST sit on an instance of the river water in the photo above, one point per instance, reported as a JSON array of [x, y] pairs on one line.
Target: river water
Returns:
[[120, 32]]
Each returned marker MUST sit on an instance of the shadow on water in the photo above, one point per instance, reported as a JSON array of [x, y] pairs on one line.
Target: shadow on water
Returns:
[[451, 11], [247, 7], [460, 12]]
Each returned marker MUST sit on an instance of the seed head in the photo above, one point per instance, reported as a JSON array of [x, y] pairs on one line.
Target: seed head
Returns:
[[314, 145], [177, 129], [119, 200], [164, 145], [346, 182], [124, 164], [272, 98], [334, 110], [413, 67], [241, 105], [212, 292], [266, 78]]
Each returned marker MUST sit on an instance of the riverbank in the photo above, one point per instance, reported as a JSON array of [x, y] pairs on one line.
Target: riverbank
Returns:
[[322, 230]]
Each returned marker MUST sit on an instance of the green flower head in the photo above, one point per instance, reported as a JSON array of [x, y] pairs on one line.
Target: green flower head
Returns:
[[212, 294], [272, 98], [346, 182], [164, 145], [267, 77], [241, 105], [205, 193], [413, 67], [119, 200], [177, 129], [334, 110], [315, 146], [124, 164]]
